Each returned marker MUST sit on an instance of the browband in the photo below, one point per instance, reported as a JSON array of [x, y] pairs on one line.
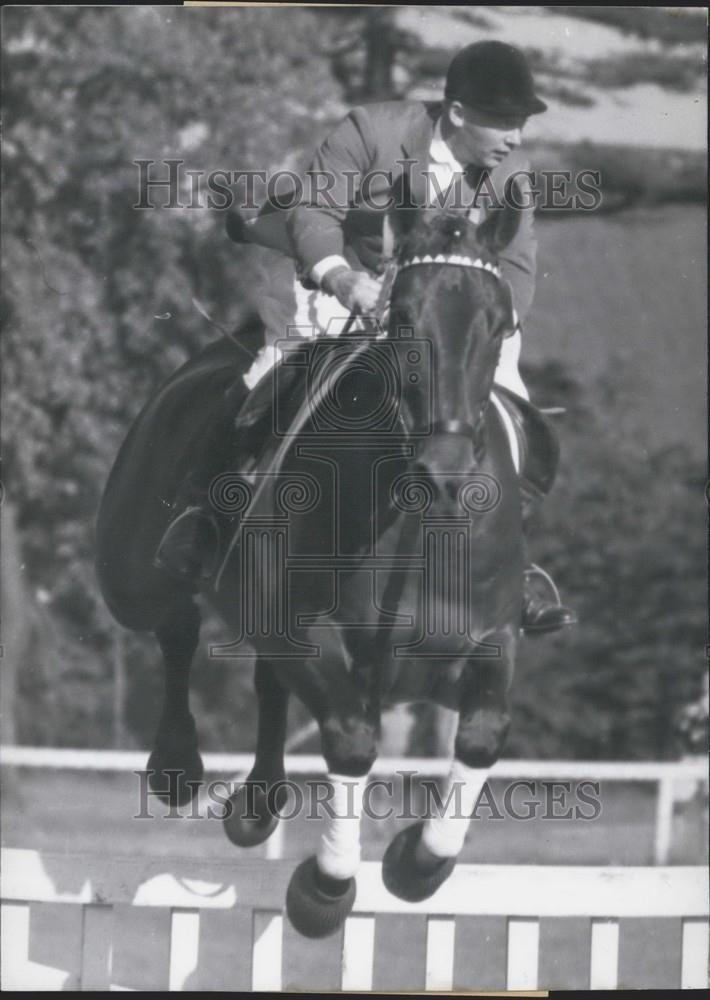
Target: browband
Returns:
[[457, 260]]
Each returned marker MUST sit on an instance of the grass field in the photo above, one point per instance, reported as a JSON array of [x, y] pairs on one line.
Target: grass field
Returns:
[[85, 812]]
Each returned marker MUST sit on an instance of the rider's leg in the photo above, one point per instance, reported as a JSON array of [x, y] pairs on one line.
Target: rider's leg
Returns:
[[313, 313], [187, 550], [539, 614]]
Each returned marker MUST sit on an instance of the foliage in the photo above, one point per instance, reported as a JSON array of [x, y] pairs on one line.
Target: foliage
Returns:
[[629, 176], [620, 535], [671, 26], [96, 295], [669, 71]]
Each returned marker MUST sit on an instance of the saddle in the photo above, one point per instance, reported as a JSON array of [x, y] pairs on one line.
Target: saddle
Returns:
[[286, 387], [533, 439]]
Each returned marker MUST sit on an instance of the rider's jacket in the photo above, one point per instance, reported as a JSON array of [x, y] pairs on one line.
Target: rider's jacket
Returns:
[[352, 177]]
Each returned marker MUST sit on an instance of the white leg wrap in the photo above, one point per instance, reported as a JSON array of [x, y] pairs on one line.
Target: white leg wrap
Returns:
[[444, 834], [339, 850]]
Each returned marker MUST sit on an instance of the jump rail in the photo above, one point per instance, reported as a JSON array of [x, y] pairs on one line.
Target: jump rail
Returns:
[[188, 891], [665, 775]]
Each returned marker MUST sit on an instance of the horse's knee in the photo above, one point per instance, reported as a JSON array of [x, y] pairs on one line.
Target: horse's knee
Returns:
[[349, 745], [481, 736]]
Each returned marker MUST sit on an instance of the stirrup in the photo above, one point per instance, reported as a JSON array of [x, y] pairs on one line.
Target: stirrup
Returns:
[[546, 576]]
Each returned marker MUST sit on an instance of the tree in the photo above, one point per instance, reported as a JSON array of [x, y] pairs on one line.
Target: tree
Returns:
[[97, 297]]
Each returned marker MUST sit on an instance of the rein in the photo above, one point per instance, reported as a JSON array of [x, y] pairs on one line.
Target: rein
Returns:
[[391, 270]]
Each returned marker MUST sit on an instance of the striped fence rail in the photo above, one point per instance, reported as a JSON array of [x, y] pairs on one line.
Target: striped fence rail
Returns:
[[44, 894], [668, 776]]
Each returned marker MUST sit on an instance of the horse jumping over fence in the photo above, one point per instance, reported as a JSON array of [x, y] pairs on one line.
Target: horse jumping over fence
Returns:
[[371, 556]]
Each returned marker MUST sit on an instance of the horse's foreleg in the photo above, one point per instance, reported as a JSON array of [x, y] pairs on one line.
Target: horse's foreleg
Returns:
[[423, 856], [253, 811], [175, 766], [482, 730], [322, 890]]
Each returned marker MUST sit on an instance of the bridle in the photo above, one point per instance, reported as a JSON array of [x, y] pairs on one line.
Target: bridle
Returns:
[[463, 428], [455, 259]]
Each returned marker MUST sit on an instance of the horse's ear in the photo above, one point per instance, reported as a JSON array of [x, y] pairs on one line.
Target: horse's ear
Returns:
[[501, 226]]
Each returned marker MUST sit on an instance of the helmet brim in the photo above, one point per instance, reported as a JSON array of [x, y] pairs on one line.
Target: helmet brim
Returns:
[[532, 107]]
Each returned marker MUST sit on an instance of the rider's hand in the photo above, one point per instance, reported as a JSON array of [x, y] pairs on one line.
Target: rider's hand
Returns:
[[353, 289]]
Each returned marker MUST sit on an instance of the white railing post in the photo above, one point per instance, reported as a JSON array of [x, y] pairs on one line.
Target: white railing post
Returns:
[[267, 945], [664, 821], [694, 959], [184, 946], [274, 849], [441, 934], [604, 955], [523, 954], [358, 952], [15, 947]]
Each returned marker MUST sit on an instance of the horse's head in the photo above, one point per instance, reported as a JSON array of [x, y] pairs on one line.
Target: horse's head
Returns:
[[448, 292]]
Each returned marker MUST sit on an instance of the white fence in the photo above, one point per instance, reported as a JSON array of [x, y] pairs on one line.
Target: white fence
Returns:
[[671, 779], [186, 890]]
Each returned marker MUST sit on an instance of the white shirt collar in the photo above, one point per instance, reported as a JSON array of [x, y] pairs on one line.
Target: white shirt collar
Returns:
[[439, 151]]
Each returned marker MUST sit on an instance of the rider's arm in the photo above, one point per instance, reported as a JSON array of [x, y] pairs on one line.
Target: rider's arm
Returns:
[[331, 182], [519, 259]]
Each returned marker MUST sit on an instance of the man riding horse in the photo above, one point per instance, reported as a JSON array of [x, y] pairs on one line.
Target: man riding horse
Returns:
[[465, 146]]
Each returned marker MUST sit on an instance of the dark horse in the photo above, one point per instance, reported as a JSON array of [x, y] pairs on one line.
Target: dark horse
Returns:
[[372, 556]]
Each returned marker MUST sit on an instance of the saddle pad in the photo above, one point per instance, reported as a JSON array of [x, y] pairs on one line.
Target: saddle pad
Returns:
[[510, 429], [533, 440]]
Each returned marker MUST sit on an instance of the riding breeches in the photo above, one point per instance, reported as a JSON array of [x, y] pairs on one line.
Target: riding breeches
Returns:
[[318, 314]]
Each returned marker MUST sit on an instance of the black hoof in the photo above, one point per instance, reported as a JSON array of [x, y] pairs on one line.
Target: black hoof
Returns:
[[253, 814], [401, 874], [175, 777], [312, 911]]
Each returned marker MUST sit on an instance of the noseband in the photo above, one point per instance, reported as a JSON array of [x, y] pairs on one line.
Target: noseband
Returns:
[[461, 427]]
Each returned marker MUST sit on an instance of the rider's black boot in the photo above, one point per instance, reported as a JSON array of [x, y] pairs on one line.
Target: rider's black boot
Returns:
[[540, 614], [188, 550]]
